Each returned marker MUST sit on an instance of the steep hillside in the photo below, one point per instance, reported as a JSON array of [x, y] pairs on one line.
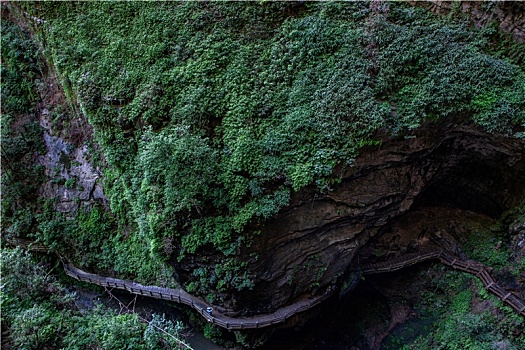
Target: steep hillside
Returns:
[[250, 152]]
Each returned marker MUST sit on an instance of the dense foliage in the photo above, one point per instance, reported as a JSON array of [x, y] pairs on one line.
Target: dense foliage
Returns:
[[448, 322], [210, 115], [21, 135], [455, 311], [39, 313]]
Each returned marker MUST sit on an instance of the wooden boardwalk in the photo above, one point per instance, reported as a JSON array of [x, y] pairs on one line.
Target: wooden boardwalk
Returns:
[[481, 272], [401, 262], [303, 303]]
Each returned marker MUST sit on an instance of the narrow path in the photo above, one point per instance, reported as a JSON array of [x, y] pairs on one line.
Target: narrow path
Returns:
[[180, 296], [480, 271], [304, 302], [473, 267]]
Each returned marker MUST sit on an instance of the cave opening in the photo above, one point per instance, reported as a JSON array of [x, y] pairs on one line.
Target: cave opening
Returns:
[[457, 190], [475, 187], [469, 179], [468, 188]]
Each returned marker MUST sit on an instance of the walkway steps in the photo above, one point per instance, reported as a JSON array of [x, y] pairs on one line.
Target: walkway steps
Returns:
[[473, 267]]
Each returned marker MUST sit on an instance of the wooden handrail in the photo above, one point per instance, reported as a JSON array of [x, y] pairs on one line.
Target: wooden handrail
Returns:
[[179, 295], [303, 303]]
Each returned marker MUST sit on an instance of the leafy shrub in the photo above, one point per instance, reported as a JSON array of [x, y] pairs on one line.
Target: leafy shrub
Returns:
[[481, 246], [21, 65], [448, 307], [35, 327], [430, 72], [25, 280], [21, 135]]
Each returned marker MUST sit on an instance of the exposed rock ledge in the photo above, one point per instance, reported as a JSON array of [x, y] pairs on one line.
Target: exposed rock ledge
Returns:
[[312, 243]]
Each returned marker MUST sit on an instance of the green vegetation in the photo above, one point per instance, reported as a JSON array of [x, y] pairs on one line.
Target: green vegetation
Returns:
[[488, 248], [211, 115], [431, 73], [21, 135], [38, 313], [456, 309], [491, 246], [450, 323]]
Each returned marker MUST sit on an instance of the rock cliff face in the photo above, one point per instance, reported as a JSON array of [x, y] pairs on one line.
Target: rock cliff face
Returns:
[[72, 164], [312, 244], [508, 15], [68, 161], [314, 241]]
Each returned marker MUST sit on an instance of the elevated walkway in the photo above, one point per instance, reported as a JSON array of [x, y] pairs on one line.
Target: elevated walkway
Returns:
[[303, 303]]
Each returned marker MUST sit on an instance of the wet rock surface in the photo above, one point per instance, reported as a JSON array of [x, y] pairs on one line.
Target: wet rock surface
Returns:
[[68, 161], [81, 181]]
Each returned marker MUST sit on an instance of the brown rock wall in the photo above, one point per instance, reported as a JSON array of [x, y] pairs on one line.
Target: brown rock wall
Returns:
[[310, 244]]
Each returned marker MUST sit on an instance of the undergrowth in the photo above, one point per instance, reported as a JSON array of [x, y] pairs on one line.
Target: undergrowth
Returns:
[[448, 310], [38, 312]]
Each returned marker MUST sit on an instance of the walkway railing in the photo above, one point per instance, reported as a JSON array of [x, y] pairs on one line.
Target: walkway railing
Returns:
[[303, 303], [473, 267], [480, 271], [180, 296], [401, 262]]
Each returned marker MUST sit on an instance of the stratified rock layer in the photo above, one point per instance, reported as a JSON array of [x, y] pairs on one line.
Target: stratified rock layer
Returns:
[[310, 244]]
